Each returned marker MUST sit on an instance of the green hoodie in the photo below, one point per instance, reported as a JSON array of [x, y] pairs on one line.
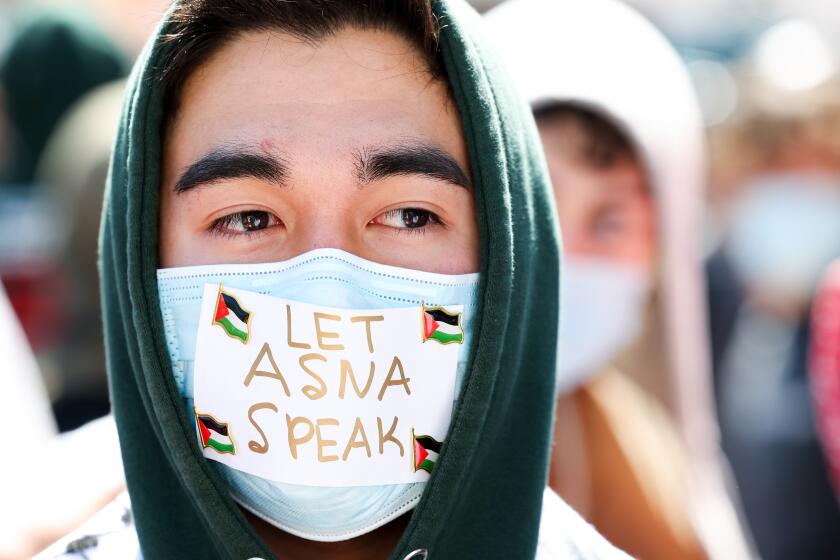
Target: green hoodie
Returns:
[[485, 496]]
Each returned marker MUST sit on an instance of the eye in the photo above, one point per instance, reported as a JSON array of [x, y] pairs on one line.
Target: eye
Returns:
[[610, 223], [248, 222], [407, 218]]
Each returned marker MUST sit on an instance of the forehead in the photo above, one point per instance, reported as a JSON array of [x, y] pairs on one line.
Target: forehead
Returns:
[[356, 86]]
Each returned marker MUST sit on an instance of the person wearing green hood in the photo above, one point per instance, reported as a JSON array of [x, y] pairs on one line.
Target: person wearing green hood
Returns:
[[329, 264], [54, 58]]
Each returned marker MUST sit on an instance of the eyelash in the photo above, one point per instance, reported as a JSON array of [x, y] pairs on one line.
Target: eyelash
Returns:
[[224, 226], [433, 220]]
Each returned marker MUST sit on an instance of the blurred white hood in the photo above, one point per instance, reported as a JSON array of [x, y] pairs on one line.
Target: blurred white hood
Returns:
[[24, 405], [604, 55]]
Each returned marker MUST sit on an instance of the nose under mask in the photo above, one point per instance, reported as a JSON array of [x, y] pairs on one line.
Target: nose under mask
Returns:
[[329, 278]]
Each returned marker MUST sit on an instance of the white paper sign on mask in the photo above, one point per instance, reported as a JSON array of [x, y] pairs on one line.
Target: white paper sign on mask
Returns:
[[321, 396]]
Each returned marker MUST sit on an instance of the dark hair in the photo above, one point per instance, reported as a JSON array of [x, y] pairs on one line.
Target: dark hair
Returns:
[[589, 137], [201, 27]]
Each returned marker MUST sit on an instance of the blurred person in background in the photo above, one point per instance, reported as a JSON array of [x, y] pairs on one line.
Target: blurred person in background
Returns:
[[824, 369], [623, 137], [23, 398], [778, 182], [55, 139], [49, 484], [74, 164], [54, 59], [24, 405]]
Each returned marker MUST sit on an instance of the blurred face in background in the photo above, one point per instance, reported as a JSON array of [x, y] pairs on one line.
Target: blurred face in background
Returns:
[[784, 233], [777, 174], [608, 224], [605, 212]]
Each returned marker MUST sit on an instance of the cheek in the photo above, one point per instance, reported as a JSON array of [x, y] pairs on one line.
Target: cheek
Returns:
[[168, 251], [462, 256], [574, 218], [636, 243], [466, 248], [178, 245], [650, 233]]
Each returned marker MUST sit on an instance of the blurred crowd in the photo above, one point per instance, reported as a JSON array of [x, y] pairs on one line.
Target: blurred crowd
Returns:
[[697, 413], [62, 68]]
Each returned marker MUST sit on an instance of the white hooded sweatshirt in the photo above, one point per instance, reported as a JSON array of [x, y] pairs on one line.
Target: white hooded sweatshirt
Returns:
[[603, 55]]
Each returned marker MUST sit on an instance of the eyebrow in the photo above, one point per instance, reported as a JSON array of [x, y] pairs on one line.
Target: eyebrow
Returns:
[[373, 164], [232, 163]]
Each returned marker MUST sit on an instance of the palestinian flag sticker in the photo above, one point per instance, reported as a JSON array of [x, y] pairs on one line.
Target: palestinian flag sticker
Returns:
[[214, 434], [233, 319], [442, 326], [425, 450]]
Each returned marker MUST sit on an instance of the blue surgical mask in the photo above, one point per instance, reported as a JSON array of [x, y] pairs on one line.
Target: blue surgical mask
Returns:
[[602, 306], [328, 277]]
